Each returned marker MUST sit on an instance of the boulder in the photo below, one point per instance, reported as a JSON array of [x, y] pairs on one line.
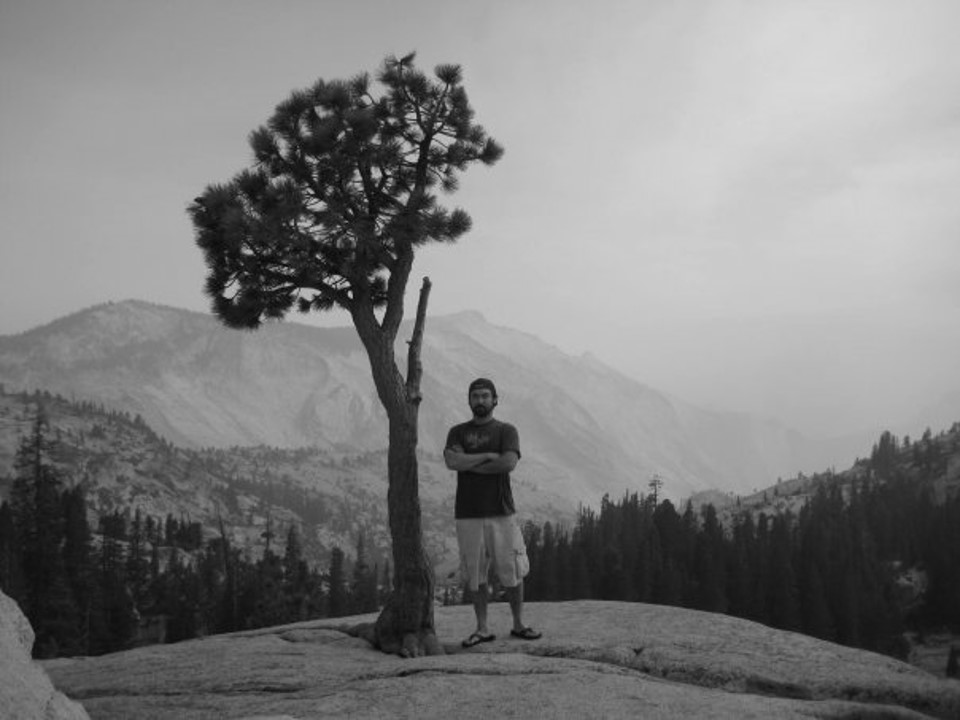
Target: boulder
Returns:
[[596, 659], [25, 689]]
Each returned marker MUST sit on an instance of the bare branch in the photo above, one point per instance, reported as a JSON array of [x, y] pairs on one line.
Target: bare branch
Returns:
[[414, 364]]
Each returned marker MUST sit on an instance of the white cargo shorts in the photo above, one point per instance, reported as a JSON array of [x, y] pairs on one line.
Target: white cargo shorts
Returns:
[[495, 541]]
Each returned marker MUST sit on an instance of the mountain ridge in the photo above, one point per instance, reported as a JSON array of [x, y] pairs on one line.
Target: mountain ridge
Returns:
[[585, 427]]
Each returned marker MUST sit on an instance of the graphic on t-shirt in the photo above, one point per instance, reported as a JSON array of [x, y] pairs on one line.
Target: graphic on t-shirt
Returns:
[[475, 440]]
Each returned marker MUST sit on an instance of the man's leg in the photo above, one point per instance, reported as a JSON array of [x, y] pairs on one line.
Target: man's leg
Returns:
[[512, 566], [480, 609], [474, 566], [515, 598]]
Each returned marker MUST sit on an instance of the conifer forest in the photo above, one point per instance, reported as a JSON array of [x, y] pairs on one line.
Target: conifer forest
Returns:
[[839, 568]]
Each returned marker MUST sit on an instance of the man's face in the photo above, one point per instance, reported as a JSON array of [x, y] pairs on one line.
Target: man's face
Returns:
[[482, 402]]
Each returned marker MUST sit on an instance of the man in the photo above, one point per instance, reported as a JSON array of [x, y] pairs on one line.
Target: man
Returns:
[[484, 451]]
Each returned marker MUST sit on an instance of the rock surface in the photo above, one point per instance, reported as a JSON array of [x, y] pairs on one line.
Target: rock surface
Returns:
[[596, 659], [25, 690]]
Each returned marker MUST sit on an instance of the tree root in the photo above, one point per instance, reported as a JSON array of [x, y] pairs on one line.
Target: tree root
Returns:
[[410, 645]]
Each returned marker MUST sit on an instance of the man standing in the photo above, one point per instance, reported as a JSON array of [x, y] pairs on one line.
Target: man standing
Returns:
[[484, 451]]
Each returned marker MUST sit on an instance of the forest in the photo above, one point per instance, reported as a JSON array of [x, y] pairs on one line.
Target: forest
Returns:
[[837, 569], [89, 591]]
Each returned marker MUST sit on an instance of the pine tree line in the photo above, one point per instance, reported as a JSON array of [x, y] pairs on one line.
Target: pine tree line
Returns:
[[143, 580], [834, 570]]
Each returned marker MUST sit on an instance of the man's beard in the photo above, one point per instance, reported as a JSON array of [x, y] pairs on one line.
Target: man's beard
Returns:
[[481, 411]]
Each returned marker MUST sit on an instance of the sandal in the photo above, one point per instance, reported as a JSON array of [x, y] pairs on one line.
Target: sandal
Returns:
[[477, 638], [526, 633]]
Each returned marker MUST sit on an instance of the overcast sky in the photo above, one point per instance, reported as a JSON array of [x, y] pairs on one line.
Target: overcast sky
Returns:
[[750, 205]]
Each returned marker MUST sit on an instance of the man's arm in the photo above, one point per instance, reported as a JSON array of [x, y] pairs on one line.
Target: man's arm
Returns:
[[503, 463], [507, 459], [456, 459]]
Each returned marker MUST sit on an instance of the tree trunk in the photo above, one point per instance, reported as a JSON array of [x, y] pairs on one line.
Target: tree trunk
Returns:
[[406, 624]]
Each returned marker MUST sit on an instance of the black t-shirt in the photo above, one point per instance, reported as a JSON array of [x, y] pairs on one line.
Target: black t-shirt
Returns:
[[480, 495]]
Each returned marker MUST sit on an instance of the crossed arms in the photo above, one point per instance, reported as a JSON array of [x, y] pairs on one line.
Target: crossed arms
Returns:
[[487, 463]]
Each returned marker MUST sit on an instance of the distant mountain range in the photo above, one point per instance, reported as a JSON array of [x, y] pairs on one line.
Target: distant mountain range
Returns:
[[585, 428]]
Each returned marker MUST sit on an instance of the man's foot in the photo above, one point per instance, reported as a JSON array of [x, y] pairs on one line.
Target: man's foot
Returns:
[[526, 633], [477, 638]]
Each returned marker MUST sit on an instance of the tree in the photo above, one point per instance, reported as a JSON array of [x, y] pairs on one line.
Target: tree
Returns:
[[11, 573], [710, 564], [336, 580], [342, 193], [37, 517], [296, 576], [363, 587], [78, 559]]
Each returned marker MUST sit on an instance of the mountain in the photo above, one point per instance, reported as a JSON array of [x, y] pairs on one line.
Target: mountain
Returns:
[[585, 428]]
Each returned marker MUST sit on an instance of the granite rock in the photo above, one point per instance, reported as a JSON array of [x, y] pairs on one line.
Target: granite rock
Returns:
[[596, 659], [26, 692]]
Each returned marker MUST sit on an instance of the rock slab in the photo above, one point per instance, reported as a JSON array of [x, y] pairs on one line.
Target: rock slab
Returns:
[[596, 659]]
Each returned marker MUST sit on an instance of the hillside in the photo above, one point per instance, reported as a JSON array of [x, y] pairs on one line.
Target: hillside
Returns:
[[332, 497], [585, 429], [931, 461]]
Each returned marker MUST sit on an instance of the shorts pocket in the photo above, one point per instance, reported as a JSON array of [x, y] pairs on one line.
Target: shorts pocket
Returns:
[[521, 560], [523, 564]]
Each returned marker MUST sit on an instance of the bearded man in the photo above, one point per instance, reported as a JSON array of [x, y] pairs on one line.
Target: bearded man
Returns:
[[484, 451]]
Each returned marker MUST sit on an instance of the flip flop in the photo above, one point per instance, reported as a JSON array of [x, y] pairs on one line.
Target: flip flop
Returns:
[[526, 633], [477, 638]]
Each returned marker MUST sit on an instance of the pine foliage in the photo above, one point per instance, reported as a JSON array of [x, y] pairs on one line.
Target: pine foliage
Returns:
[[342, 190]]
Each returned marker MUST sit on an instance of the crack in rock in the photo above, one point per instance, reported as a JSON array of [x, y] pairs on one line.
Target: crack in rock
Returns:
[[437, 670], [251, 689], [488, 672]]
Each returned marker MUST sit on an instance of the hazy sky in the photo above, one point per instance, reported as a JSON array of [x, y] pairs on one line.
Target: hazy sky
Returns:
[[751, 205]]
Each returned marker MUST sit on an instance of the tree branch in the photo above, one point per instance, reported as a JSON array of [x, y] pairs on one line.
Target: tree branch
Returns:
[[414, 366]]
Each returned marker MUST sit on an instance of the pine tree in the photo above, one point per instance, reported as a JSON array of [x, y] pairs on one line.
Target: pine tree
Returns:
[[549, 563], [137, 564], [783, 602], [47, 600], [11, 573], [78, 561], [342, 194], [296, 577], [817, 619], [649, 561], [564, 567], [582, 579], [118, 608], [265, 593], [336, 581], [363, 588], [745, 568], [710, 564]]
